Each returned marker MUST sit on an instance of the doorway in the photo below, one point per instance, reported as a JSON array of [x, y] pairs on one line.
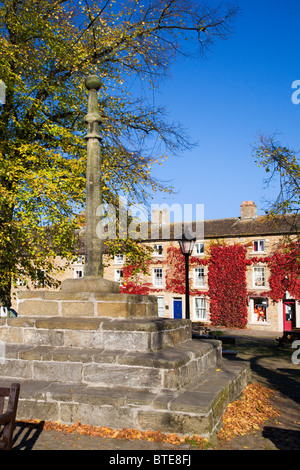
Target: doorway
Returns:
[[289, 315], [177, 308]]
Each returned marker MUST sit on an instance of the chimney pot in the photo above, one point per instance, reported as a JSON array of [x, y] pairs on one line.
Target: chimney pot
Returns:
[[248, 210]]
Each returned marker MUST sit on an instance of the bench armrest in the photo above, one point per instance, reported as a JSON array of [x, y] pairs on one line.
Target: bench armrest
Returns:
[[5, 417]]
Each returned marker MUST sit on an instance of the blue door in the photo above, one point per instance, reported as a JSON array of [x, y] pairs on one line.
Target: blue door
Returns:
[[177, 308]]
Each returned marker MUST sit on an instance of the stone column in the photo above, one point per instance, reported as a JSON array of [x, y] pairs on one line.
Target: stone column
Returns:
[[93, 244]]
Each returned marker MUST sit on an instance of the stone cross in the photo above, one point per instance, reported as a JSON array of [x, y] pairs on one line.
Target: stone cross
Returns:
[[93, 244]]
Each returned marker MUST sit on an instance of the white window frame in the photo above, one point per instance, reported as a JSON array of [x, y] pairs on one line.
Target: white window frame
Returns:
[[119, 276], [40, 278], [119, 259], [157, 250], [158, 280], [78, 271], [199, 248], [202, 308], [161, 308], [199, 281], [255, 270], [260, 244], [79, 259]]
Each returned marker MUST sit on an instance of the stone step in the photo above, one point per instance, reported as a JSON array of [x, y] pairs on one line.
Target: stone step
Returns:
[[89, 304], [169, 368], [194, 409], [139, 334]]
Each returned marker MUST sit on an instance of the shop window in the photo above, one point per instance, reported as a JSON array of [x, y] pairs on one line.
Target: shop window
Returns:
[[200, 308], [260, 309], [157, 277], [259, 277]]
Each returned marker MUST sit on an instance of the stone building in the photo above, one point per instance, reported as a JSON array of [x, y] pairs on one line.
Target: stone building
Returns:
[[260, 236]]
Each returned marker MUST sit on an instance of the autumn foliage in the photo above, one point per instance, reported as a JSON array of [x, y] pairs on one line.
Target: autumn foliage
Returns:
[[248, 413], [285, 271], [227, 286]]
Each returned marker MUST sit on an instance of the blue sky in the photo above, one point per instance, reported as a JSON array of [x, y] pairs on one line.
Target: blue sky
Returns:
[[242, 88]]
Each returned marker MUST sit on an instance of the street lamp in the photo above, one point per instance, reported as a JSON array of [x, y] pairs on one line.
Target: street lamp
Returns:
[[187, 246]]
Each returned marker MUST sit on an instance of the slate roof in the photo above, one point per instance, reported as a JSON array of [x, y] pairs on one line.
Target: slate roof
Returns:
[[237, 227]]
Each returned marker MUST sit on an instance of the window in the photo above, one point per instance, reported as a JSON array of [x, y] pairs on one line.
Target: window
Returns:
[[119, 259], [78, 273], [259, 246], [200, 308], [161, 306], [119, 276], [199, 249], [40, 278], [157, 250], [79, 260], [21, 280], [199, 280], [259, 277], [259, 309], [157, 277]]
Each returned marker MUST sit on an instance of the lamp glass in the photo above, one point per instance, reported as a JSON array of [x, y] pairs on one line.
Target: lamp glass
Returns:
[[186, 245]]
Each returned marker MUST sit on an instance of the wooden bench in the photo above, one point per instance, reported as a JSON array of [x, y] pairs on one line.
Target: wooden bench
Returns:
[[289, 336], [8, 417]]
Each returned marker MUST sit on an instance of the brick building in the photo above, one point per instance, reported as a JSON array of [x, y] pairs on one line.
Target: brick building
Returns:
[[259, 235]]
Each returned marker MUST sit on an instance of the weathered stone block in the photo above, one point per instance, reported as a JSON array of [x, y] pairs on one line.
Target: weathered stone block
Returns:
[[68, 323], [77, 309], [61, 295], [96, 415], [81, 339], [11, 335], [59, 372], [16, 368], [180, 423], [112, 309], [90, 284], [38, 307], [43, 337], [125, 340], [38, 410], [115, 375]]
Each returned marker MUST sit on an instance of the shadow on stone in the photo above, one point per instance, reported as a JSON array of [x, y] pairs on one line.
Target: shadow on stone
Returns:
[[26, 435], [283, 439]]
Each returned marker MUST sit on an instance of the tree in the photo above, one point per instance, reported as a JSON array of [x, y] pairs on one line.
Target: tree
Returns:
[[46, 51], [282, 165]]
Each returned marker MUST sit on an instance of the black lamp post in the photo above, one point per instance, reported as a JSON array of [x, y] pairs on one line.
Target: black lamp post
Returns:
[[187, 246]]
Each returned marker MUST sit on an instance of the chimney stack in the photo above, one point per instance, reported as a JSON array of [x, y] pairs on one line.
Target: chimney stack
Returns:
[[248, 210]]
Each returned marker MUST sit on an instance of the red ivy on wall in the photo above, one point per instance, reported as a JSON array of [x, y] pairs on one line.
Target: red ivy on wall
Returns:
[[175, 274], [133, 284], [227, 286], [284, 267]]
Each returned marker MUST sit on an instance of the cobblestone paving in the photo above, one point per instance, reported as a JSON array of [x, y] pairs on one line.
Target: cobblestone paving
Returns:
[[271, 366]]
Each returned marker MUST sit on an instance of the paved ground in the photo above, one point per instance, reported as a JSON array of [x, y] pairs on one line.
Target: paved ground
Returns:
[[271, 366]]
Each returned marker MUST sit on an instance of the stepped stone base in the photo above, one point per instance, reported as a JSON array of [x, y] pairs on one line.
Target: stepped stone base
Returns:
[[90, 354], [194, 409]]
